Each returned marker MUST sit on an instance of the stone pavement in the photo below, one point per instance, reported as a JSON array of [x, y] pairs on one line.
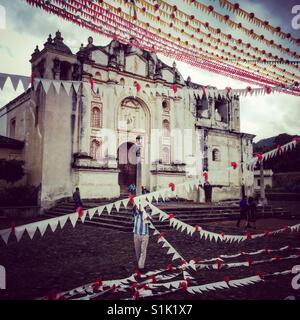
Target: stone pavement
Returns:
[[72, 257]]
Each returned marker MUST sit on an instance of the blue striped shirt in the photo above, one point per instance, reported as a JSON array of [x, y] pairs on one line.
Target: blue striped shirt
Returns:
[[141, 224]]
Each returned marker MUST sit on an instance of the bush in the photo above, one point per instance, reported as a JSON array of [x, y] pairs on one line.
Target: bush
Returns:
[[19, 196], [11, 170]]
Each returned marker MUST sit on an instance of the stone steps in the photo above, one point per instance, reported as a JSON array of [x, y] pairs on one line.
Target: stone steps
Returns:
[[188, 212]]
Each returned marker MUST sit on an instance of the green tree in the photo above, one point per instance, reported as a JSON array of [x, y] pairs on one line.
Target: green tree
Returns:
[[11, 170]]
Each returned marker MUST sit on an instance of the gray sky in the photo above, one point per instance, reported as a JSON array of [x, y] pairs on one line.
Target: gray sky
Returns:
[[25, 27]]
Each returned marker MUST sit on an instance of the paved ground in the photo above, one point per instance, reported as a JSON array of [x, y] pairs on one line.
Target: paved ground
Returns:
[[72, 257]]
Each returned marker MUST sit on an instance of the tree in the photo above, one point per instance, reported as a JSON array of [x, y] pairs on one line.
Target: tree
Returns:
[[11, 170]]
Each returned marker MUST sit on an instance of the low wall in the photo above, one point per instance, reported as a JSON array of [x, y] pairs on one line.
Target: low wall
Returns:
[[20, 211]]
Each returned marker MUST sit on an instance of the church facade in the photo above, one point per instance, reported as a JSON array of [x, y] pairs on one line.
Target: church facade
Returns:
[[124, 125]]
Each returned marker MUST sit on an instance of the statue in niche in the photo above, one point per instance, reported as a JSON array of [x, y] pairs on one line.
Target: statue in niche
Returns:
[[158, 72], [217, 115]]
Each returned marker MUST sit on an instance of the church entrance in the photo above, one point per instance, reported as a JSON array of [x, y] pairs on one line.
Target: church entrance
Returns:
[[126, 158]]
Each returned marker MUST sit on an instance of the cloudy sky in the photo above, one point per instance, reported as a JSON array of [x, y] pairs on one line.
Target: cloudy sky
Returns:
[[265, 116]]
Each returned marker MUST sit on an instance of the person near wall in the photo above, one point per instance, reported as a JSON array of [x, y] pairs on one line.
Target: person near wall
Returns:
[[252, 207], [77, 199], [141, 221], [207, 191], [243, 212], [132, 189]]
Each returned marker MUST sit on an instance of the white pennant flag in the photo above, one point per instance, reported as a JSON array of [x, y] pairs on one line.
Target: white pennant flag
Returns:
[[76, 86], [109, 207], [5, 235], [53, 224], [125, 202], [67, 85], [117, 205], [42, 226], [74, 218], [56, 84], [19, 231], [62, 220], [46, 85], [31, 229]]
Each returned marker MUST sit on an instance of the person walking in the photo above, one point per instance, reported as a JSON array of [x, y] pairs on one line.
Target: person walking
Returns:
[[252, 208], [207, 191], [140, 235], [243, 211], [77, 199], [132, 189]]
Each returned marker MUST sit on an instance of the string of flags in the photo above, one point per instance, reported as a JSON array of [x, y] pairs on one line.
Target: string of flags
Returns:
[[119, 25], [173, 90], [181, 226]]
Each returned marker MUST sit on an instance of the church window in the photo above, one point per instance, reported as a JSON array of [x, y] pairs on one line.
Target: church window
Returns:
[[166, 128], [95, 149], [96, 117], [12, 129], [166, 155], [166, 106], [122, 82], [98, 75], [216, 155]]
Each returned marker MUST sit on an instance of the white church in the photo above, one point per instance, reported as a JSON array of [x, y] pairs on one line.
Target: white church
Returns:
[[113, 115]]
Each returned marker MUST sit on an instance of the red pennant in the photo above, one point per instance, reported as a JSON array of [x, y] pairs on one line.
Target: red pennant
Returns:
[[131, 199], [260, 274], [234, 165], [161, 235], [277, 258], [266, 232], [226, 279], [227, 89], [136, 295], [169, 267], [97, 284], [219, 263], [170, 216], [134, 285], [152, 278], [268, 89], [137, 86], [197, 228], [196, 260], [174, 87], [266, 250], [242, 253], [13, 229], [182, 262], [286, 228], [205, 176], [222, 234], [52, 295], [80, 212], [249, 89], [137, 274], [114, 288], [249, 260], [248, 235], [92, 83], [259, 156], [183, 285], [172, 186]]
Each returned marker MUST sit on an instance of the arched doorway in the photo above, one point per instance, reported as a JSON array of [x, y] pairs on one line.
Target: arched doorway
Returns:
[[127, 164]]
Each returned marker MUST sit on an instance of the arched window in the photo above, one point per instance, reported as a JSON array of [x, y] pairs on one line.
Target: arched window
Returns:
[[98, 75], [95, 149], [166, 128], [166, 106], [166, 155], [122, 82], [96, 117], [216, 155]]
